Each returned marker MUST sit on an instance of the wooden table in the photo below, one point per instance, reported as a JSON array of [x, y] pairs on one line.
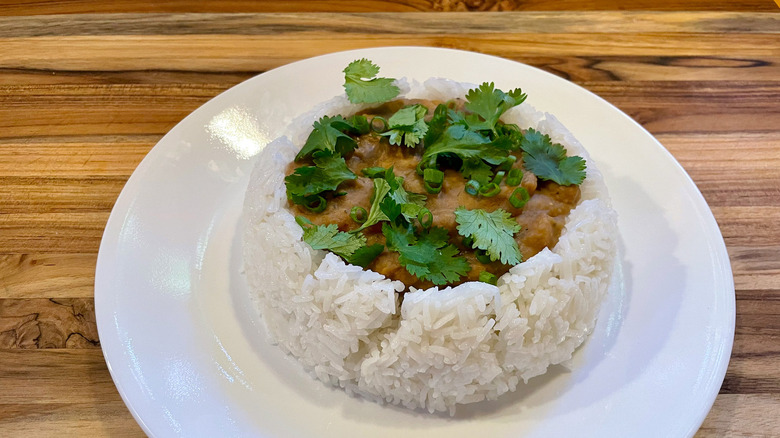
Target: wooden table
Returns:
[[84, 96]]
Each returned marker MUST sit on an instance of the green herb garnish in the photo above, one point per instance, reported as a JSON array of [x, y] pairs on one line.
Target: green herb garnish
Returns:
[[330, 134], [375, 213], [365, 255], [493, 232], [457, 140], [363, 86], [476, 169], [429, 255], [548, 161], [327, 174], [350, 247], [411, 203], [407, 126], [487, 277], [329, 237], [489, 104]]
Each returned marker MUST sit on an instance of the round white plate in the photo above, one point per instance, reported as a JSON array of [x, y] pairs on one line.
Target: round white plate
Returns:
[[190, 358]]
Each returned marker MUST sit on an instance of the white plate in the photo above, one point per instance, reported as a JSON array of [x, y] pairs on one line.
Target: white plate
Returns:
[[189, 360]]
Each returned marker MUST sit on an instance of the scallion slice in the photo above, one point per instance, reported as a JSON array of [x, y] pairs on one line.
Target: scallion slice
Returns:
[[507, 164], [482, 256], [303, 221], [472, 187], [499, 177], [422, 165], [315, 204], [519, 197], [425, 217], [379, 124], [358, 214], [514, 178], [433, 180], [489, 190]]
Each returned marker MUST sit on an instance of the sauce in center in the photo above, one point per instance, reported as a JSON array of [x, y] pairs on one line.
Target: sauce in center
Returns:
[[541, 219]]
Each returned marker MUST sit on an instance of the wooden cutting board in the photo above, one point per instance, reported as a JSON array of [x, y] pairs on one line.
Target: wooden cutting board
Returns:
[[85, 95]]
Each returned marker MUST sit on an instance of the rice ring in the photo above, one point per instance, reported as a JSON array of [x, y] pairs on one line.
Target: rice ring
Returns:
[[440, 347]]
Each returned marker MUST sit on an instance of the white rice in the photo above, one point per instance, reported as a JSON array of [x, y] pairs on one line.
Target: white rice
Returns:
[[442, 347]]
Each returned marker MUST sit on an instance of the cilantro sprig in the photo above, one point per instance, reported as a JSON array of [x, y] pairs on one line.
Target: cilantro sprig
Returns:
[[362, 85], [464, 143], [327, 174], [548, 161], [407, 126], [329, 237], [350, 247], [411, 203], [428, 255], [330, 134], [492, 232], [375, 213], [489, 104]]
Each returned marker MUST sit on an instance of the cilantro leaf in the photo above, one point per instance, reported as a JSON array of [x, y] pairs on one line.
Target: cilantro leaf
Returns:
[[365, 255], [407, 126], [359, 124], [390, 208], [350, 247], [411, 203], [460, 141], [362, 85], [428, 256], [572, 171], [490, 103], [375, 214], [548, 161], [327, 174], [476, 169], [329, 237], [329, 135], [437, 125], [492, 232]]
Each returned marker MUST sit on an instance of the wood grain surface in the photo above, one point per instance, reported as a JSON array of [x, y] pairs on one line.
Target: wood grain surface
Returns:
[[87, 88]]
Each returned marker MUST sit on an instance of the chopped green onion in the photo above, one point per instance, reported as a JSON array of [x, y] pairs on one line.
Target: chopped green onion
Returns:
[[487, 277], [374, 172], [337, 194], [303, 221], [316, 204], [507, 164], [499, 176], [433, 180], [358, 214], [514, 178], [425, 217], [422, 165], [482, 256], [468, 242], [519, 197], [489, 190], [472, 187], [381, 127]]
